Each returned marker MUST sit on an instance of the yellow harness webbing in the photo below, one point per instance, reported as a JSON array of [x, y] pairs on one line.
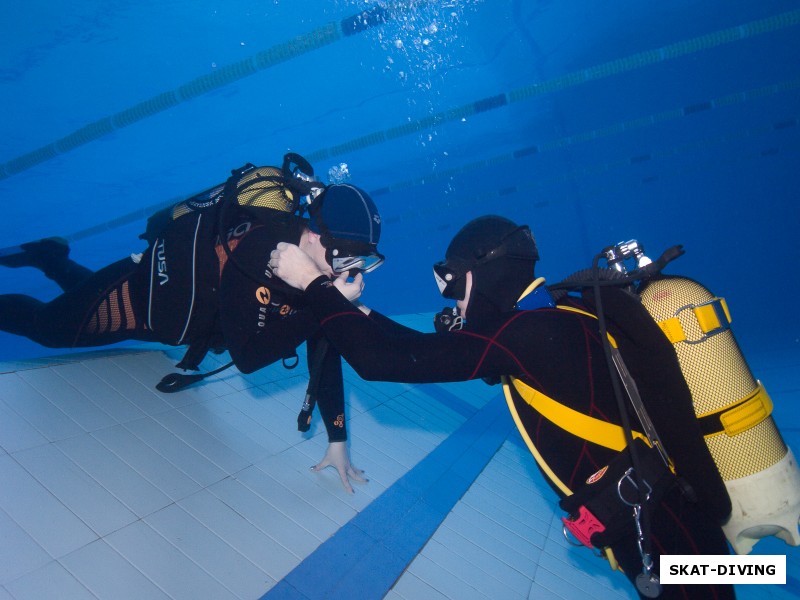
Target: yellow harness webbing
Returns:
[[572, 421], [575, 422], [548, 472], [562, 416]]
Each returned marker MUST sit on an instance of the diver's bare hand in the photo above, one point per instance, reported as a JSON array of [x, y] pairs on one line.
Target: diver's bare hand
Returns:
[[350, 289], [338, 457], [293, 265]]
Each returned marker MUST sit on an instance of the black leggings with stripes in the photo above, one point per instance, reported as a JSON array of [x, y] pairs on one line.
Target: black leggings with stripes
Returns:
[[96, 309]]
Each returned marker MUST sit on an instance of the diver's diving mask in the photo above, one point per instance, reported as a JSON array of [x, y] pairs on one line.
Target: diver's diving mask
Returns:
[[362, 264], [450, 274], [350, 256]]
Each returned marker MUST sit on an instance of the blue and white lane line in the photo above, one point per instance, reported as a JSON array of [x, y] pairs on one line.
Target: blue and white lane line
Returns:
[[368, 554]]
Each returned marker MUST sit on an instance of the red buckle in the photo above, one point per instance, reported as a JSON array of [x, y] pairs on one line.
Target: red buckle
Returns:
[[583, 526]]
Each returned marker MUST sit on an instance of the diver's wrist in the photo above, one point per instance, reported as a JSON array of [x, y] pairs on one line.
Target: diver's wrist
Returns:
[[362, 307], [319, 280]]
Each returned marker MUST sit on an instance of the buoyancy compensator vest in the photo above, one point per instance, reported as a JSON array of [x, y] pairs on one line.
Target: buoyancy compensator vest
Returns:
[[183, 242], [734, 410]]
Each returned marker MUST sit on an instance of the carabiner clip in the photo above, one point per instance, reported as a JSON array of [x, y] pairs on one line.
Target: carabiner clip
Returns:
[[627, 476]]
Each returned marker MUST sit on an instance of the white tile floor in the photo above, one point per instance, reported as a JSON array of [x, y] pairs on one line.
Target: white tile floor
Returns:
[[111, 490]]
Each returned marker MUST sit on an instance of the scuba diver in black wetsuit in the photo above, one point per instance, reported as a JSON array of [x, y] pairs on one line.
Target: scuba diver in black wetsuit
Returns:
[[204, 282], [556, 352]]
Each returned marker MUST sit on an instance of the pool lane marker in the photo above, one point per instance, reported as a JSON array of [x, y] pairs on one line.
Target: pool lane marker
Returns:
[[199, 86], [593, 169], [368, 554], [615, 67], [361, 22]]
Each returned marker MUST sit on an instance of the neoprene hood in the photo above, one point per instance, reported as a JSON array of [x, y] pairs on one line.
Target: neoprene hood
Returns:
[[501, 256]]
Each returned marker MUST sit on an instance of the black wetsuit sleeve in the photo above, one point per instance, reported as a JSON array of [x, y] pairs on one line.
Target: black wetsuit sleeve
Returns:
[[389, 326], [260, 317], [276, 340], [326, 370], [381, 353]]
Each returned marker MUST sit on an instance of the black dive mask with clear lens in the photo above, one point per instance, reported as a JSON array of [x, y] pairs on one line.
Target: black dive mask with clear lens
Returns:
[[451, 279], [450, 274], [348, 256], [356, 264]]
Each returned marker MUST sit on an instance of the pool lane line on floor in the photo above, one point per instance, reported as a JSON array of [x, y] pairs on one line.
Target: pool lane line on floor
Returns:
[[367, 555]]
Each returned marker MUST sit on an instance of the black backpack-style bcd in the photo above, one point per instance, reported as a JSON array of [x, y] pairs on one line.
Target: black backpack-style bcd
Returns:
[[182, 307]]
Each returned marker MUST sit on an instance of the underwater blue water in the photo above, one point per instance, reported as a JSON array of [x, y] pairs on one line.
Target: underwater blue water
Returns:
[[592, 122]]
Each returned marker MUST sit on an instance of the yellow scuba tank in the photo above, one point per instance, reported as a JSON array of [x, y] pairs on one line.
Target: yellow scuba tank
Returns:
[[759, 470]]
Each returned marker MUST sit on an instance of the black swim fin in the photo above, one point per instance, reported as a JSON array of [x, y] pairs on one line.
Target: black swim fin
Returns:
[[35, 254]]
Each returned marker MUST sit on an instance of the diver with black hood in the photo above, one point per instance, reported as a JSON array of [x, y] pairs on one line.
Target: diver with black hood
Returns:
[[551, 357]]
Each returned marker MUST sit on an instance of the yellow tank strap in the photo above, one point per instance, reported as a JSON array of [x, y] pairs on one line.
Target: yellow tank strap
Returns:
[[739, 416], [572, 421], [712, 317]]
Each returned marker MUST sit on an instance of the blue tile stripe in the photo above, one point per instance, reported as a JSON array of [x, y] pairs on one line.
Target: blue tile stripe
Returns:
[[367, 555], [448, 399]]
